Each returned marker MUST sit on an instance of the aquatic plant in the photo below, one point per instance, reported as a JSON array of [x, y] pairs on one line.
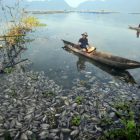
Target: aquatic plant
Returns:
[[79, 99], [7, 136], [48, 94], [129, 132], [76, 120], [82, 82], [31, 22], [128, 128], [9, 70]]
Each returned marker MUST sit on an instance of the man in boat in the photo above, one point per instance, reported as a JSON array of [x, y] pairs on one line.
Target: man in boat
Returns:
[[83, 42]]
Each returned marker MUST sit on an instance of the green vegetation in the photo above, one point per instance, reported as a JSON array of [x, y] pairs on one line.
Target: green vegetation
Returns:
[[82, 82], [21, 23], [33, 77], [79, 99], [18, 32], [7, 136], [14, 36], [48, 94], [129, 132], [76, 120], [31, 22], [106, 121], [13, 93], [128, 128], [9, 70]]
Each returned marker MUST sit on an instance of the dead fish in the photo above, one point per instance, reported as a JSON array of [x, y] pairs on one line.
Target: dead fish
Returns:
[[13, 123], [45, 126], [43, 135], [74, 105], [61, 136], [18, 124], [54, 130], [57, 115], [23, 137], [67, 102], [74, 133], [65, 130], [29, 133], [44, 118], [17, 135], [98, 128], [28, 117]]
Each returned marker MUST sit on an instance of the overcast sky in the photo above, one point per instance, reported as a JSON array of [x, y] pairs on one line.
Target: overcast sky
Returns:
[[73, 3]]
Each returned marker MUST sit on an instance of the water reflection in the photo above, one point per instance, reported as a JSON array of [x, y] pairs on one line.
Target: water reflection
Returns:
[[120, 74], [138, 33], [137, 29], [81, 64]]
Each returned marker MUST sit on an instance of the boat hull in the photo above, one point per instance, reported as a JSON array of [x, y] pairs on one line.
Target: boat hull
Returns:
[[134, 28]]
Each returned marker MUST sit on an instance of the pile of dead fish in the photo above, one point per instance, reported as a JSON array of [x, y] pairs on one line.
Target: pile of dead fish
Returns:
[[35, 107]]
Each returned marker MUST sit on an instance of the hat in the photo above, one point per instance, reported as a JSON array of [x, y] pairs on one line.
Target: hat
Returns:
[[85, 34]]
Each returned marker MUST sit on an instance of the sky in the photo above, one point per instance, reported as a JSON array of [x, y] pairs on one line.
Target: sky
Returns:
[[73, 3]]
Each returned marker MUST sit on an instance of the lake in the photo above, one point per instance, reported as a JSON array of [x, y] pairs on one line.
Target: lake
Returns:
[[107, 32]]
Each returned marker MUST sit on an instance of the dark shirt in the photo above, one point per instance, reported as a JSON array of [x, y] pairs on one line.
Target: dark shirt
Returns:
[[84, 42]]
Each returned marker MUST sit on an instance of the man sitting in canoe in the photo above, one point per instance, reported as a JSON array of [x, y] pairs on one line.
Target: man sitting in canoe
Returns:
[[83, 42]]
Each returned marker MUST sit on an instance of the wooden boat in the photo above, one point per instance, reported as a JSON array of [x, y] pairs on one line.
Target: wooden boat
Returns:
[[104, 58], [122, 75], [135, 28]]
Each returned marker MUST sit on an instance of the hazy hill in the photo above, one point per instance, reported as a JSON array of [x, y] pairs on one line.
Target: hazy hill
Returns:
[[40, 5], [48, 5], [113, 5]]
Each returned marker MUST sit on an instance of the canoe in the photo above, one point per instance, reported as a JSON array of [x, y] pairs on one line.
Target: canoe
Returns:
[[135, 28], [104, 58]]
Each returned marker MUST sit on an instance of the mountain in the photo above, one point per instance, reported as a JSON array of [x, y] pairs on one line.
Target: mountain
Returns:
[[40, 5], [48, 5], [112, 5]]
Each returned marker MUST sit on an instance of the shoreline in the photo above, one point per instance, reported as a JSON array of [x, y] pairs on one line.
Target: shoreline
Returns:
[[70, 11], [78, 11]]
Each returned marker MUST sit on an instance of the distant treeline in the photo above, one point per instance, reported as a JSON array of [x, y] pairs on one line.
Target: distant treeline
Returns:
[[69, 11]]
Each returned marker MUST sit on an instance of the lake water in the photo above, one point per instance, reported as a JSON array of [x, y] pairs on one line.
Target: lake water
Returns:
[[108, 32]]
